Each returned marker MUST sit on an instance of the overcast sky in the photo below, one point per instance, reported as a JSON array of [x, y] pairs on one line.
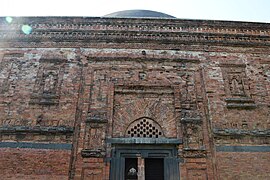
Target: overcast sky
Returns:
[[238, 10]]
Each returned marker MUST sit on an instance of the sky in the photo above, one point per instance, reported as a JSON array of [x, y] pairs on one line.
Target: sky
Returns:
[[232, 10]]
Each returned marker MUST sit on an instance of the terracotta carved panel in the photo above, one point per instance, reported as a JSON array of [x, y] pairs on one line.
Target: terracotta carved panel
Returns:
[[235, 79], [167, 94], [10, 66], [48, 82], [236, 86], [152, 102]]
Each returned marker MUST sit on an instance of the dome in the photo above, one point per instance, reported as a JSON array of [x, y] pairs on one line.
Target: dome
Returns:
[[139, 14]]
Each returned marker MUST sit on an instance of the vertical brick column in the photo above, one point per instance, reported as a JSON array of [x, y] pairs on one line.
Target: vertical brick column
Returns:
[[141, 174]]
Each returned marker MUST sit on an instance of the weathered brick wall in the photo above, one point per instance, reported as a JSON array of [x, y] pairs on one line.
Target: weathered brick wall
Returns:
[[39, 91], [240, 112], [29, 97], [37, 164], [243, 165], [204, 82]]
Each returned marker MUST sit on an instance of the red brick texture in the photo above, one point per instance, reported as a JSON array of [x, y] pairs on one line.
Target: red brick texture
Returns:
[[34, 164], [82, 82], [245, 165]]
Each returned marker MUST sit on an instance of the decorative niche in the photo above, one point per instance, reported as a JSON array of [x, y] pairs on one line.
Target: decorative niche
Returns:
[[95, 128], [236, 87], [48, 82], [10, 66]]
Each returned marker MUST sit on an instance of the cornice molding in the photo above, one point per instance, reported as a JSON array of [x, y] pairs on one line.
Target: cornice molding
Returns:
[[86, 31]]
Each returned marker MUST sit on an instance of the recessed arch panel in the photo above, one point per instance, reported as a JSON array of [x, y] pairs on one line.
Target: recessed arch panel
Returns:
[[144, 128]]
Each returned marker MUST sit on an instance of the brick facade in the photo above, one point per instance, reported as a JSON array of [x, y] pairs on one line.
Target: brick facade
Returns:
[[27, 163], [75, 93]]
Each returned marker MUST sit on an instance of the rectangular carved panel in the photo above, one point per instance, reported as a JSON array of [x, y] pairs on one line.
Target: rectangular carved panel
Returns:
[[48, 82], [236, 86], [10, 66], [236, 83]]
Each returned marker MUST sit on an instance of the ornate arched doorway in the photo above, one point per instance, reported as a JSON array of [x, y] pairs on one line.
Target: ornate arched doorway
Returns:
[[144, 153]]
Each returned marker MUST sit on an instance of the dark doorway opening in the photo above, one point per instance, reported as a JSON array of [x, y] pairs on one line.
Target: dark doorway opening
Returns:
[[131, 168], [147, 161], [154, 169]]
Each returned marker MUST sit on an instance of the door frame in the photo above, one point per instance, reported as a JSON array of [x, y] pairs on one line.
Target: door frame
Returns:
[[168, 151]]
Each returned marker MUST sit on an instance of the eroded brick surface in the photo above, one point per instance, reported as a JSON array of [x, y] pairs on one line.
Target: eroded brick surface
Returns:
[[74, 84], [34, 164], [244, 165]]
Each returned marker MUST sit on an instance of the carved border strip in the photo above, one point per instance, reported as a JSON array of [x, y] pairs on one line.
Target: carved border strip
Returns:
[[145, 24], [241, 132], [86, 37]]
